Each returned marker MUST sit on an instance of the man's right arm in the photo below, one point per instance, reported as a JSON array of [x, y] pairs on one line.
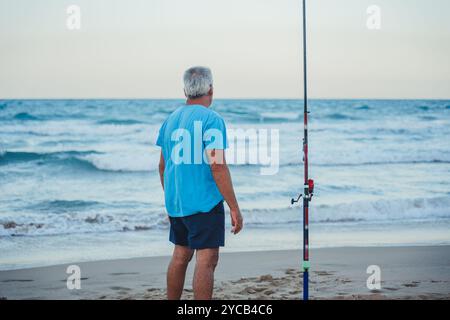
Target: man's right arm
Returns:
[[161, 167], [222, 177]]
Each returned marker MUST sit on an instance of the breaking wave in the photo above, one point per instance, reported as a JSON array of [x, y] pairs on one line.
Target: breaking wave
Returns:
[[66, 217]]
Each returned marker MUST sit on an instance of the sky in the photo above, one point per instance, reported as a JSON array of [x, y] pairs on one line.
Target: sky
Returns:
[[140, 48]]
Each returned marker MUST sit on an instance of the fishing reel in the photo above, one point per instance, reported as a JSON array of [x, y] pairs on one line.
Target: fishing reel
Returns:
[[309, 191]]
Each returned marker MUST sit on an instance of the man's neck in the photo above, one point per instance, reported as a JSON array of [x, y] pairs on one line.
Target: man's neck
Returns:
[[203, 101]]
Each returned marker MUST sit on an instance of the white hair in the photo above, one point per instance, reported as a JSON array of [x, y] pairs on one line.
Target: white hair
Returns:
[[197, 82]]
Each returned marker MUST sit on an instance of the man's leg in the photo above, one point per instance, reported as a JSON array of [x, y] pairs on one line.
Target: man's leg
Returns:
[[204, 273], [177, 271]]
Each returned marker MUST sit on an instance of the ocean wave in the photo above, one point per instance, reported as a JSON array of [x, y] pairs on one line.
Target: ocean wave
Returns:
[[358, 211], [148, 161], [87, 160], [386, 210], [24, 116], [155, 111], [8, 157], [124, 162], [73, 221], [279, 116], [339, 116], [120, 122], [247, 164], [377, 163], [428, 118], [65, 223], [63, 205]]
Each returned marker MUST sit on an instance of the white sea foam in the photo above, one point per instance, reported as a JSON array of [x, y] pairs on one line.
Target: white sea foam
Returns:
[[87, 222], [395, 211], [280, 116], [130, 161]]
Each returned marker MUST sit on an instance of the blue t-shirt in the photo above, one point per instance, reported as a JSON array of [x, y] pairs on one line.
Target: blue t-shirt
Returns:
[[189, 186]]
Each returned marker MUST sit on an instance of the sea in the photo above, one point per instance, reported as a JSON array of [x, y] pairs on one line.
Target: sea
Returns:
[[79, 178]]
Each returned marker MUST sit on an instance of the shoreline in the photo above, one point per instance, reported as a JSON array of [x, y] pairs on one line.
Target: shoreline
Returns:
[[90, 247], [225, 252], [407, 272]]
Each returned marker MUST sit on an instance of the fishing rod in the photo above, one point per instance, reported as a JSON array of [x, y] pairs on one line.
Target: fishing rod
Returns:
[[308, 187]]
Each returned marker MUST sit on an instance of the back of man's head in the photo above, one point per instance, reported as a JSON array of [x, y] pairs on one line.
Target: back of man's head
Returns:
[[198, 82]]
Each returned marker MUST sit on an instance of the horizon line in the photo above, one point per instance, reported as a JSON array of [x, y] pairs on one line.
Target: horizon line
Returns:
[[218, 98]]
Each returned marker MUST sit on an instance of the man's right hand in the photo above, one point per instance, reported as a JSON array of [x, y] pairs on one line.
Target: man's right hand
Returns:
[[237, 221]]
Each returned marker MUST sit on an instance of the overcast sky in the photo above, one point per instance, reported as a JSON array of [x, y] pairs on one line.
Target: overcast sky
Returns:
[[140, 48]]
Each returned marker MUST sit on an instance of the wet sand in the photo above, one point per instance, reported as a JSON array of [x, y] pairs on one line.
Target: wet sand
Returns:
[[414, 272]]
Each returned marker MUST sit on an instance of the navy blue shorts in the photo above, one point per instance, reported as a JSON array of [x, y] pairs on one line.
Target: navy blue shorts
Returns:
[[201, 230]]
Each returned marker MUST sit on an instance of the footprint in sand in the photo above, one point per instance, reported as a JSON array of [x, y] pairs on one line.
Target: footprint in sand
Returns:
[[123, 273], [346, 280], [65, 280], [375, 291], [291, 271], [323, 273], [411, 285], [269, 292], [241, 280], [392, 289], [265, 278], [248, 291], [18, 280], [116, 288]]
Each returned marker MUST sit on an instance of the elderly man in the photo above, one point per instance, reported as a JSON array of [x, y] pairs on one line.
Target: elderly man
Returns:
[[196, 180]]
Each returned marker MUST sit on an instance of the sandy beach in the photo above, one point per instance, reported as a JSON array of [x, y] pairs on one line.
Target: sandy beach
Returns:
[[320, 128], [337, 273]]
